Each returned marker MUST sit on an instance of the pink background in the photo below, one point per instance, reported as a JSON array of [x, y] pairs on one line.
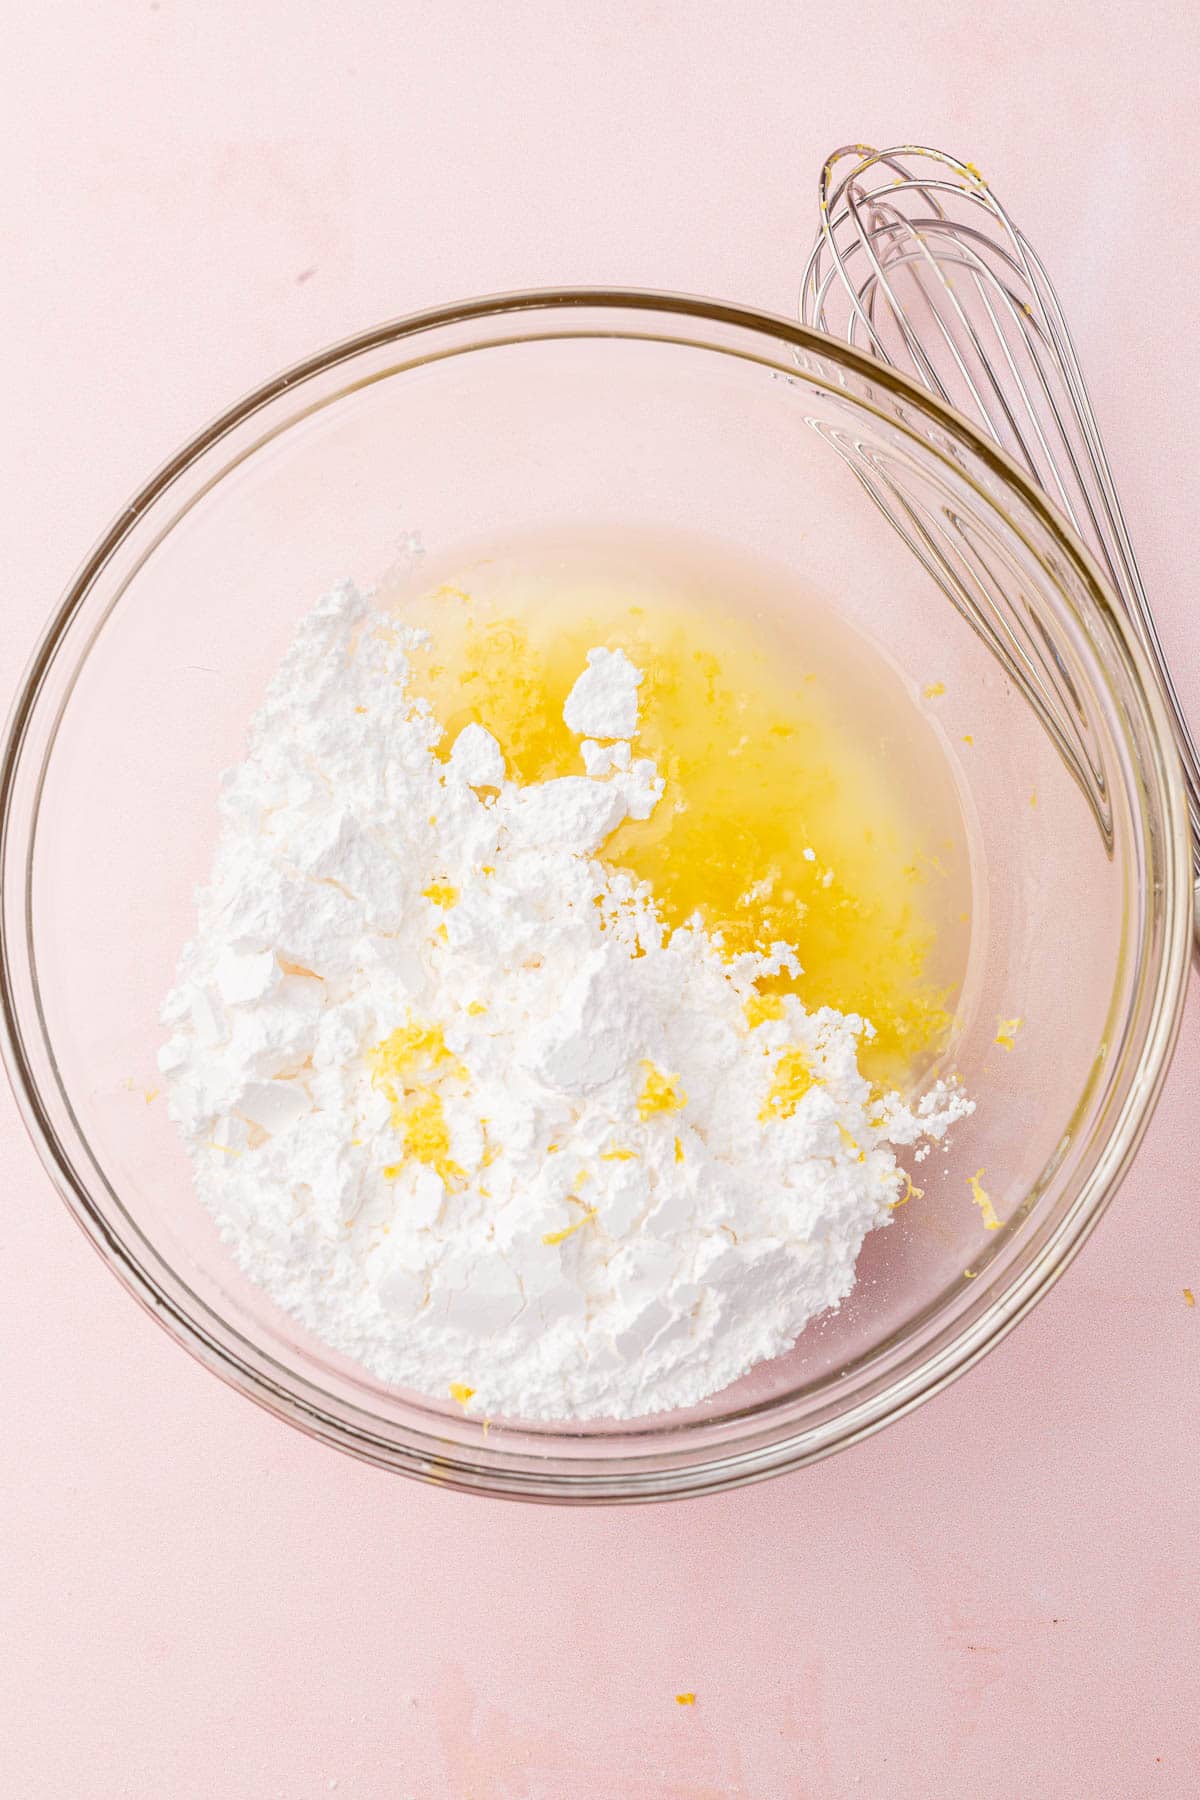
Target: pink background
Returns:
[[996, 1598]]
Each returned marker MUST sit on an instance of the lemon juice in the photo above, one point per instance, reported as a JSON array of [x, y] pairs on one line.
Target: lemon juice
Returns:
[[808, 798]]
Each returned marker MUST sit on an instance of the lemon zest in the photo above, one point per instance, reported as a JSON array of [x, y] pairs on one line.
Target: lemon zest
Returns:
[[760, 1007], [426, 1135], [983, 1201], [660, 1093], [560, 1237], [442, 893], [408, 1048], [792, 1080], [910, 1192]]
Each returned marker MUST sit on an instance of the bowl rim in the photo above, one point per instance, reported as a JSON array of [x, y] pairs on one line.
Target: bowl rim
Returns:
[[445, 1461]]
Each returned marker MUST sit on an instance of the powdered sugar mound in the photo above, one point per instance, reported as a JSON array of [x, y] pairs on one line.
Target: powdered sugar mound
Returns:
[[456, 1097], [477, 758], [604, 701]]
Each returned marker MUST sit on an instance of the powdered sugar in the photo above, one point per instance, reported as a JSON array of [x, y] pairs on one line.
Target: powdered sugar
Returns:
[[604, 701], [458, 1100]]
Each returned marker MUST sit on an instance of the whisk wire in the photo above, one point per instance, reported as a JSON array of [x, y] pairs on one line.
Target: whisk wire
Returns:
[[919, 263]]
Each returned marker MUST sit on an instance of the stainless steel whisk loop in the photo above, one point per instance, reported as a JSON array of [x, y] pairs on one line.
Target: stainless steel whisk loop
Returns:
[[917, 262]]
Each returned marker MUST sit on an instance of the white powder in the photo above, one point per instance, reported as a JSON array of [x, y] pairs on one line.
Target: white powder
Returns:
[[562, 1182], [604, 701]]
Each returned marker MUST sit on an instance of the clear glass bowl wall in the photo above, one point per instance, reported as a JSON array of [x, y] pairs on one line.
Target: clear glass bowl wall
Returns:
[[627, 411]]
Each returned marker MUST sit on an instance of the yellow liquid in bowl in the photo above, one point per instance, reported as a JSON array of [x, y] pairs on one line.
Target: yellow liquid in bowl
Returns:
[[807, 797]]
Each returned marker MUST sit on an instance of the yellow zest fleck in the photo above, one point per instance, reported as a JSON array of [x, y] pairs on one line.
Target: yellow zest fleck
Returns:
[[149, 1095], [910, 1192], [225, 1149], [442, 893], [660, 1093], [553, 1149], [560, 1237], [967, 738], [487, 869], [408, 1048], [461, 1392], [685, 1699], [983, 1201], [760, 1007], [1189, 1296], [1006, 1031], [392, 1170], [1033, 798], [417, 1112], [427, 1135], [486, 1425], [850, 1142], [476, 1007], [933, 689], [360, 709], [678, 1150], [433, 818], [791, 1082], [618, 1155], [970, 1274]]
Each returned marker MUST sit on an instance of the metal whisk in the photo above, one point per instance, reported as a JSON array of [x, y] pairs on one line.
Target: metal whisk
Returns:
[[917, 262]]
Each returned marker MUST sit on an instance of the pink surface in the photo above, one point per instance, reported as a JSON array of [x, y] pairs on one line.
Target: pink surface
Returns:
[[998, 1597]]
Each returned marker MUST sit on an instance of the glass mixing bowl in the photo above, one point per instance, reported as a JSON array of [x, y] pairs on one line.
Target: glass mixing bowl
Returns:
[[625, 410]]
